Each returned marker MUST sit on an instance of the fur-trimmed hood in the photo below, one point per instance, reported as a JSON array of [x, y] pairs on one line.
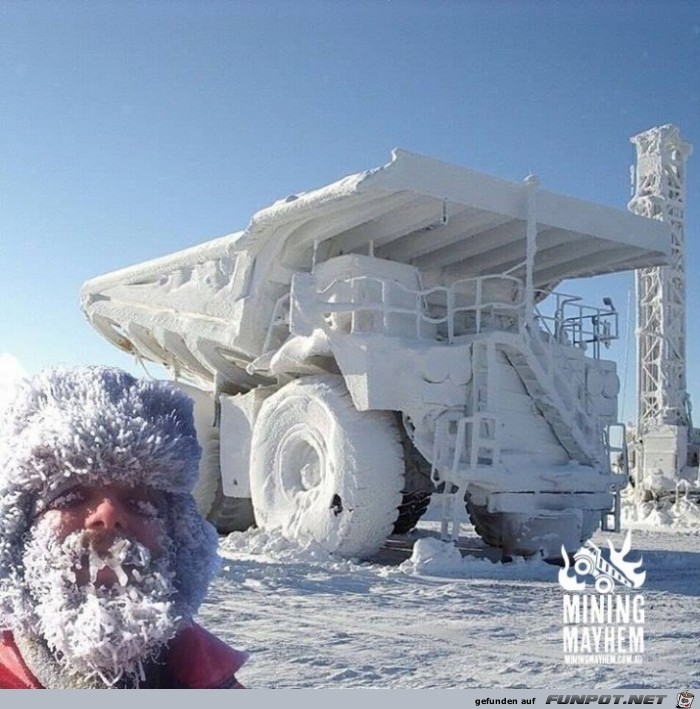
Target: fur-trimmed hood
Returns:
[[100, 425]]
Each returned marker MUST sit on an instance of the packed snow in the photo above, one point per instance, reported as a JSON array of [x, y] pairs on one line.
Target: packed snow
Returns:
[[432, 618], [682, 515]]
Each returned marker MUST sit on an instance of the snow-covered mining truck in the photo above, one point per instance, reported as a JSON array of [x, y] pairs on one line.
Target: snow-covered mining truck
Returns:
[[360, 347]]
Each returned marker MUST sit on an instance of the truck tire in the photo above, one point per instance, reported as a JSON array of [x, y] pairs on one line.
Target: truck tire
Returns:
[[231, 514], [323, 472], [487, 525], [227, 514], [418, 487], [413, 506], [500, 529]]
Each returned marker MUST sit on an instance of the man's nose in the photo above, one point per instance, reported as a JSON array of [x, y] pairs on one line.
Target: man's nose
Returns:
[[109, 514]]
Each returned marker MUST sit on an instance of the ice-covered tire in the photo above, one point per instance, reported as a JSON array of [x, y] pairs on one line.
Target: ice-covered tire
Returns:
[[503, 530], [322, 471], [417, 489], [487, 525], [227, 514], [508, 531], [231, 514], [413, 506]]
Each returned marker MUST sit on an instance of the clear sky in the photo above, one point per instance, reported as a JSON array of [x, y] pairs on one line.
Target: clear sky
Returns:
[[130, 130]]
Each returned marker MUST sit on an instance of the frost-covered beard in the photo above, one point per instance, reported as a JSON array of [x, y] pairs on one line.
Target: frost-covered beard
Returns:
[[99, 631]]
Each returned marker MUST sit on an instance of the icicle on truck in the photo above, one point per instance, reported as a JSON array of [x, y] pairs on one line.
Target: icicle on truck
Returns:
[[365, 345]]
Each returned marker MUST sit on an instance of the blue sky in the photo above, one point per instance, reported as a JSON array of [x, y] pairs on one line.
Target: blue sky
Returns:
[[134, 129]]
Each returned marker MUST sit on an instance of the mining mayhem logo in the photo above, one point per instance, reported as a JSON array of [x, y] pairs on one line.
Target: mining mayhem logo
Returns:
[[605, 625]]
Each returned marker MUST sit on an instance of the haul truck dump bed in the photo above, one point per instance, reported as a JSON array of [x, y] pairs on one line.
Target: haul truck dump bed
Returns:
[[362, 346]]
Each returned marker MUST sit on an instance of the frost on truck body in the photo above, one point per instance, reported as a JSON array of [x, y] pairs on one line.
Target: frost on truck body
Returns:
[[379, 340]]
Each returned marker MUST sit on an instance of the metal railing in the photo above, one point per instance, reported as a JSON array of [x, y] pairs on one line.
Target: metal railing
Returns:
[[580, 325], [468, 306]]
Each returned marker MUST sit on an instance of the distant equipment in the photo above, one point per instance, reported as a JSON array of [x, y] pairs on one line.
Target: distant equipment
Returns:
[[664, 453]]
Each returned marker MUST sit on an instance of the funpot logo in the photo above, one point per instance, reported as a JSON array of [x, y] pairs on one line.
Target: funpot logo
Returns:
[[684, 700]]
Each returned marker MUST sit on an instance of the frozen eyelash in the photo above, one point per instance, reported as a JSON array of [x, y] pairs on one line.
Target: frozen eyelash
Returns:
[[145, 508], [65, 500]]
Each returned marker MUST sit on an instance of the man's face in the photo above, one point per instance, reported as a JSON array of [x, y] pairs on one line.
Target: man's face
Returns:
[[104, 514], [99, 568]]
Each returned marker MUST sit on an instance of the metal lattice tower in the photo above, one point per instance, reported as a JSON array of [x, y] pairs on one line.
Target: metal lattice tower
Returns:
[[661, 291]]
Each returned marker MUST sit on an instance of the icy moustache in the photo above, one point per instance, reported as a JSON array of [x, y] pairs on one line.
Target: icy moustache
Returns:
[[92, 627]]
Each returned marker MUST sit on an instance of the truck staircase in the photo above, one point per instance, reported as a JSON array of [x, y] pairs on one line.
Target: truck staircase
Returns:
[[552, 395]]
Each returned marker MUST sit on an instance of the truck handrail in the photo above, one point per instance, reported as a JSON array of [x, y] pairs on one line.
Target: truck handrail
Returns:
[[580, 324], [453, 304]]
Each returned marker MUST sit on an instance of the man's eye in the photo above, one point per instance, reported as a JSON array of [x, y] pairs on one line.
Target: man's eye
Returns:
[[66, 500], [145, 508]]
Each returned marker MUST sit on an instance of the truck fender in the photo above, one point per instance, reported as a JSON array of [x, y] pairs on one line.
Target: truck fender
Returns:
[[238, 414]]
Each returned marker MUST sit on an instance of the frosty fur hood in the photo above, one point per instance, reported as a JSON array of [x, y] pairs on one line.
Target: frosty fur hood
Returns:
[[100, 425]]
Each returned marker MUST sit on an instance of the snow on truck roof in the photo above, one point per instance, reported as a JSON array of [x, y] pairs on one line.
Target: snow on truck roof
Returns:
[[432, 214]]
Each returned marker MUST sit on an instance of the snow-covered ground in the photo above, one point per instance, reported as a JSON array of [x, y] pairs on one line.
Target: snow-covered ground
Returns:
[[439, 620], [436, 619]]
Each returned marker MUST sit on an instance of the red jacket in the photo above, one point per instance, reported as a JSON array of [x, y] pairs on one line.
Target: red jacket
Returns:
[[196, 660]]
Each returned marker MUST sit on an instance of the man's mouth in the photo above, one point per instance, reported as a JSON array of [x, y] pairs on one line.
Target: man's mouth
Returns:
[[110, 562], [106, 571]]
